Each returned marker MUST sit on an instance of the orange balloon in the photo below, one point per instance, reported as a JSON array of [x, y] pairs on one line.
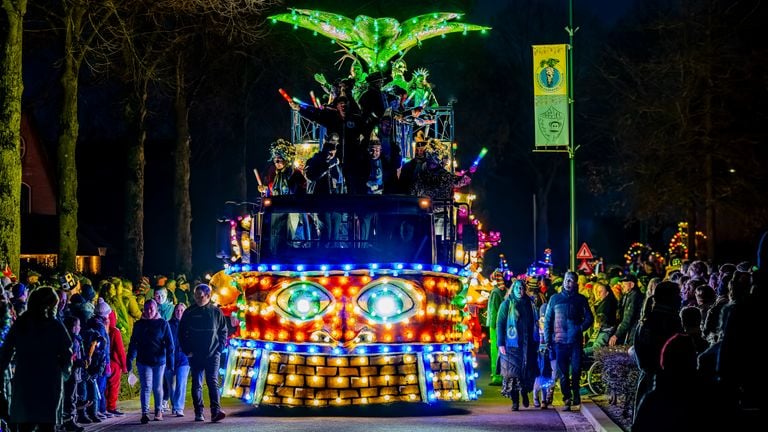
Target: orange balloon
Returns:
[[225, 288]]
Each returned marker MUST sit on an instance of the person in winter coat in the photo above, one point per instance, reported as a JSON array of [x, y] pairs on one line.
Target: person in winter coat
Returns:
[[125, 291], [660, 324], [630, 306], [518, 340], [675, 403], [69, 407], [152, 347], [117, 365], [43, 356], [568, 317], [202, 336], [96, 342], [108, 290], [6, 319], [494, 301], [177, 378]]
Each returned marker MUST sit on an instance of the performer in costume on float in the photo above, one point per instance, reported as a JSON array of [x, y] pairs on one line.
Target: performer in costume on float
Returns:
[[282, 178]]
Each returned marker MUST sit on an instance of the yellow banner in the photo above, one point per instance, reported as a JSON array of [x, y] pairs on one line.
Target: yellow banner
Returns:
[[549, 66]]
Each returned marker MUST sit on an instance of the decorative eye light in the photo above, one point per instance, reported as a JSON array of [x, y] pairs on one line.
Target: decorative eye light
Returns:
[[388, 300], [302, 301]]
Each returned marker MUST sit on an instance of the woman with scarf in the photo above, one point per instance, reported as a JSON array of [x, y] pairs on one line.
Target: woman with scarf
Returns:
[[518, 341]]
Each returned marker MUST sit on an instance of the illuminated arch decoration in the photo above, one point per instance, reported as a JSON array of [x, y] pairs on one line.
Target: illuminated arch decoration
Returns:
[[636, 249], [376, 40], [678, 245]]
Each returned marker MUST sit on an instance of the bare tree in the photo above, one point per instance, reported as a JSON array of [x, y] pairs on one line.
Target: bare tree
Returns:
[[175, 44], [674, 88]]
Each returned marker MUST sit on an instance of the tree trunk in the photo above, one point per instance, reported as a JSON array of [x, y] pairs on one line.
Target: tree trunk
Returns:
[[67, 165], [181, 199], [133, 234], [11, 87]]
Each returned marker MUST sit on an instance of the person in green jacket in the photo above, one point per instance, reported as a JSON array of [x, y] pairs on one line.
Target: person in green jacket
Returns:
[[494, 300]]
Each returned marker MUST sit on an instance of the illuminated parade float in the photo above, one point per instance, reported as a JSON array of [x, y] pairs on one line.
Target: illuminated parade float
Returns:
[[355, 299]]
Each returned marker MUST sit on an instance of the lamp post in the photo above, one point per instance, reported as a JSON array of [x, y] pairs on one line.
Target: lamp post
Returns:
[[571, 145]]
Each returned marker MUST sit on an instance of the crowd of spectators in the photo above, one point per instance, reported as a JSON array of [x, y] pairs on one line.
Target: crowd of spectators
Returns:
[[689, 329], [64, 351]]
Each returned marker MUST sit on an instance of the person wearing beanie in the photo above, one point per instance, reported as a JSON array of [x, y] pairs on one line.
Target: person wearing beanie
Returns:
[[88, 292], [19, 300], [97, 336]]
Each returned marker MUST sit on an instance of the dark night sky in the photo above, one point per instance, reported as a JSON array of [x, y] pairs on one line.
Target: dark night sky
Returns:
[[504, 191]]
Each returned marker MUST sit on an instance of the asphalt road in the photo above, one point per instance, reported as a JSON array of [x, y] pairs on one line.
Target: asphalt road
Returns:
[[490, 413]]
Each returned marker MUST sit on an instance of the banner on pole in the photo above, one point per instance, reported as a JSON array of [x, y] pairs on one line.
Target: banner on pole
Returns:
[[550, 95]]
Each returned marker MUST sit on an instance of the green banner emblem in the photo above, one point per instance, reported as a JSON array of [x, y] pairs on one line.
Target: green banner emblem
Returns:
[[551, 114]]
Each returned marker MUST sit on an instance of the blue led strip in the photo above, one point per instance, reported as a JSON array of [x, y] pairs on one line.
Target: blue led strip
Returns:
[[257, 368], [327, 269], [428, 376], [261, 379], [311, 348]]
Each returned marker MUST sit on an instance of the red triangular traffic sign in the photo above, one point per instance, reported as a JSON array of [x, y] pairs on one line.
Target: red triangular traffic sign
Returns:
[[585, 267], [584, 252]]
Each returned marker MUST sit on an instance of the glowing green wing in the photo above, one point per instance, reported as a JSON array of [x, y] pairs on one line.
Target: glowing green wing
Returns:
[[331, 25], [376, 40], [422, 27]]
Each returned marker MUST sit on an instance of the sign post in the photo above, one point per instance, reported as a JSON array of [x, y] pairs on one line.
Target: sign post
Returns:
[[554, 110]]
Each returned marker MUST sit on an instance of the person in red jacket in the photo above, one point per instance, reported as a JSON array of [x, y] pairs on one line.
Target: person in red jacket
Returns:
[[117, 364]]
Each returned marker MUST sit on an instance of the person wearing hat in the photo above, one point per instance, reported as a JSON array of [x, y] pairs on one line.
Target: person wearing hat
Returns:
[[408, 172], [344, 119], [495, 298], [324, 171], [382, 170], [19, 300], [373, 102], [630, 307], [433, 180], [282, 177], [33, 280], [326, 178]]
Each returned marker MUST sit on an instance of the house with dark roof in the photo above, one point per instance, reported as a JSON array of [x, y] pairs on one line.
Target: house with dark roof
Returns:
[[39, 219]]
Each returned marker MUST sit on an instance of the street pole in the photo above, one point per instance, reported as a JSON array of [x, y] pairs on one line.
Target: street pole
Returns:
[[571, 144]]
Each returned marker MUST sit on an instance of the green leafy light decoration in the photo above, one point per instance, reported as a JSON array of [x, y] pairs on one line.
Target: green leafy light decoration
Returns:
[[376, 40]]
